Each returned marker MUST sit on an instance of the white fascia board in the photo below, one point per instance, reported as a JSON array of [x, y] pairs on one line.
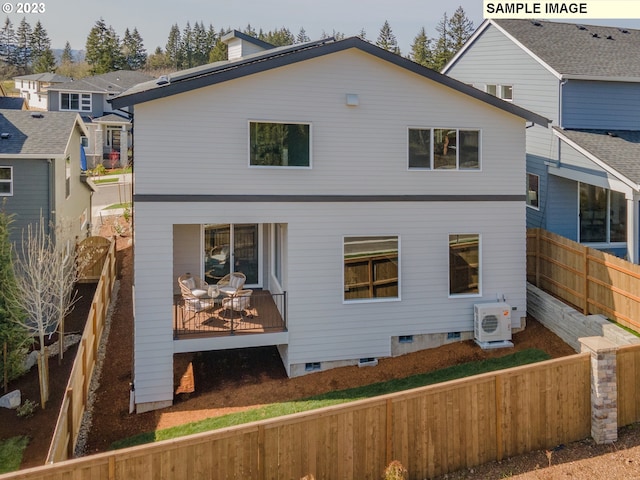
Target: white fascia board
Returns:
[[465, 47]]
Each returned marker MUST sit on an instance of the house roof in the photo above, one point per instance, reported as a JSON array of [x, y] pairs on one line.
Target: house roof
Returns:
[[111, 82], [12, 103], [247, 38], [219, 72], [45, 77], [36, 133], [617, 149], [577, 51], [112, 118]]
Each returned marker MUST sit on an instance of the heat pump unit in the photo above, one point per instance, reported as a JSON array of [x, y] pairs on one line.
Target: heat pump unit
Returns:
[[492, 323]]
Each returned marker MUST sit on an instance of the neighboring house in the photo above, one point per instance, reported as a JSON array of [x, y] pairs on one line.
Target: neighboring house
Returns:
[[34, 88], [382, 197], [583, 179], [109, 140], [40, 172]]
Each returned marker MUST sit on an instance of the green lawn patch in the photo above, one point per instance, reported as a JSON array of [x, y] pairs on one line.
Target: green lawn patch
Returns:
[[118, 205], [11, 453], [106, 180], [516, 359]]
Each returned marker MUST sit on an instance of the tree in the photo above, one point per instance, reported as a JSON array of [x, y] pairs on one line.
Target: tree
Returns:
[[387, 40], [158, 61], [219, 51], [45, 279], [23, 47], [8, 42], [173, 48], [280, 37], [302, 36], [460, 30], [12, 336], [421, 49], [103, 52], [133, 51], [442, 52], [41, 53], [67, 54], [187, 47]]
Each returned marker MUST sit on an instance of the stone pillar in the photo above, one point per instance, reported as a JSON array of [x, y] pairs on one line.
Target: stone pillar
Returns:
[[604, 388]]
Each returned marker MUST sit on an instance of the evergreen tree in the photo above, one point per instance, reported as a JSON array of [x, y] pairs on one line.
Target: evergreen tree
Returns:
[[249, 30], [387, 40], [279, 37], [362, 35], [219, 51], [421, 49], [187, 47], [302, 36], [67, 54], [442, 51], [201, 46], [460, 29], [103, 51], [42, 56], [173, 49], [8, 42], [158, 60], [11, 333], [23, 48], [135, 55]]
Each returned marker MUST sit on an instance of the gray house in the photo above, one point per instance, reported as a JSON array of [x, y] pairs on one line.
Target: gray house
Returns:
[[40, 171], [583, 176], [109, 130]]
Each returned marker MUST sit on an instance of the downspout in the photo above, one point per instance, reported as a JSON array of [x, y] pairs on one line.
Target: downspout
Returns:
[[52, 199]]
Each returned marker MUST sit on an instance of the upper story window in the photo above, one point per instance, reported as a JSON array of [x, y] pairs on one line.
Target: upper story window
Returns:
[[444, 149], [371, 268], [533, 190], [6, 181], [505, 92], [275, 144], [78, 102]]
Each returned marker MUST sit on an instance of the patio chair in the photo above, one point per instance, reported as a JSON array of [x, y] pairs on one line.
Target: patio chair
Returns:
[[195, 297], [232, 283], [237, 303]]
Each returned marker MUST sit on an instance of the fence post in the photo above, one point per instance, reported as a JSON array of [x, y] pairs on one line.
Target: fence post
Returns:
[[585, 308], [389, 435], [70, 445], [499, 418], [538, 257], [604, 388]]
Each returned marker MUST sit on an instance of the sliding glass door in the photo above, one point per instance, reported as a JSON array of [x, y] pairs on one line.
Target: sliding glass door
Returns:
[[232, 248]]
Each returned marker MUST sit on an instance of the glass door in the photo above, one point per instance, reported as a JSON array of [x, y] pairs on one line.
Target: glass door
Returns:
[[232, 248]]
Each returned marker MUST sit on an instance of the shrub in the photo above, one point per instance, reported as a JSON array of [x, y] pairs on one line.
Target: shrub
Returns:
[[395, 471]]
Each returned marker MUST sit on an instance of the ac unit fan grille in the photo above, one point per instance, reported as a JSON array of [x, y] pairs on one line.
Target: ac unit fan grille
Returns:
[[489, 323]]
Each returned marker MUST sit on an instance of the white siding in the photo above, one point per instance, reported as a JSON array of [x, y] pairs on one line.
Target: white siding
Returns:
[[197, 143]]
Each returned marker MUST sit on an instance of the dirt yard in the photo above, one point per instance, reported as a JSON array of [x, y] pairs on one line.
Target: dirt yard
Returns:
[[235, 380]]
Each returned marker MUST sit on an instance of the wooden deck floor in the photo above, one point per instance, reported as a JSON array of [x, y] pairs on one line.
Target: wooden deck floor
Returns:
[[262, 316]]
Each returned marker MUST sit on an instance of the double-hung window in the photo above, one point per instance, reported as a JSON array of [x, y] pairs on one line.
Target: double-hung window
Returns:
[[6, 181], [278, 144], [77, 102], [371, 268], [444, 149]]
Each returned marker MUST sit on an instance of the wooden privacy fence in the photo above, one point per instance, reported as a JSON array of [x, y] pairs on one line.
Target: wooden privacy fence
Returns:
[[76, 394], [431, 430], [593, 281], [627, 375], [92, 253]]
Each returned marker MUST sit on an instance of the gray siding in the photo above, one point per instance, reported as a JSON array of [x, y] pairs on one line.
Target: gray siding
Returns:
[[601, 105], [562, 207], [30, 194]]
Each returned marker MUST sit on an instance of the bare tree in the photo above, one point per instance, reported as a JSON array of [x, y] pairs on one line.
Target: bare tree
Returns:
[[46, 274]]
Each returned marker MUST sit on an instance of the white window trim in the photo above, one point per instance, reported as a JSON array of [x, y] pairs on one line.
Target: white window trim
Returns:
[[480, 266], [372, 300], [80, 104], [288, 167], [537, 193], [431, 154], [10, 182], [499, 87]]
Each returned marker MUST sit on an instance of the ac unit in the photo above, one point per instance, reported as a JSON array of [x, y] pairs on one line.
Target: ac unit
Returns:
[[492, 322]]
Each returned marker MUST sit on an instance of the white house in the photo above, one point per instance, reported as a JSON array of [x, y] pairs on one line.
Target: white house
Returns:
[[34, 88], [371, 202]]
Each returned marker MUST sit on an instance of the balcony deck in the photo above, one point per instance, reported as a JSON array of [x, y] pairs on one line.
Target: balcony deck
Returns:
[[263, 316]]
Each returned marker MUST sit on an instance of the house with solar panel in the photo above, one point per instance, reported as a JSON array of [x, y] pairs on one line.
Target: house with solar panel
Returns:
[[109, 130], [365, 203], [583, 175], [42, 172]]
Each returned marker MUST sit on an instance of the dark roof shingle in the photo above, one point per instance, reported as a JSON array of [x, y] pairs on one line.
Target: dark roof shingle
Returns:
[[35, 133]]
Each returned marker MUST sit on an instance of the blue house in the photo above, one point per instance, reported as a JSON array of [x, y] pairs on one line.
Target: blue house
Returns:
[[583, 175]]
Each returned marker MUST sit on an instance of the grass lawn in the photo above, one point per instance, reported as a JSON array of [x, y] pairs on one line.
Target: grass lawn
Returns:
[[106, 180], [118, 205], [11, 453], [332, 398]]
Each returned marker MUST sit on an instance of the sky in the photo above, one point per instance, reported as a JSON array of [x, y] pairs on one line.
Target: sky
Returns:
[[71, 20]]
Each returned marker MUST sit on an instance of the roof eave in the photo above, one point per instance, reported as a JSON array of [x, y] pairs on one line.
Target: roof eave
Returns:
[[600, 78]]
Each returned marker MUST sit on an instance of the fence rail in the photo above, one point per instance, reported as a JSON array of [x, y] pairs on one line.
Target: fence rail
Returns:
[[593, 281], [432, 430], [76, 394]]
